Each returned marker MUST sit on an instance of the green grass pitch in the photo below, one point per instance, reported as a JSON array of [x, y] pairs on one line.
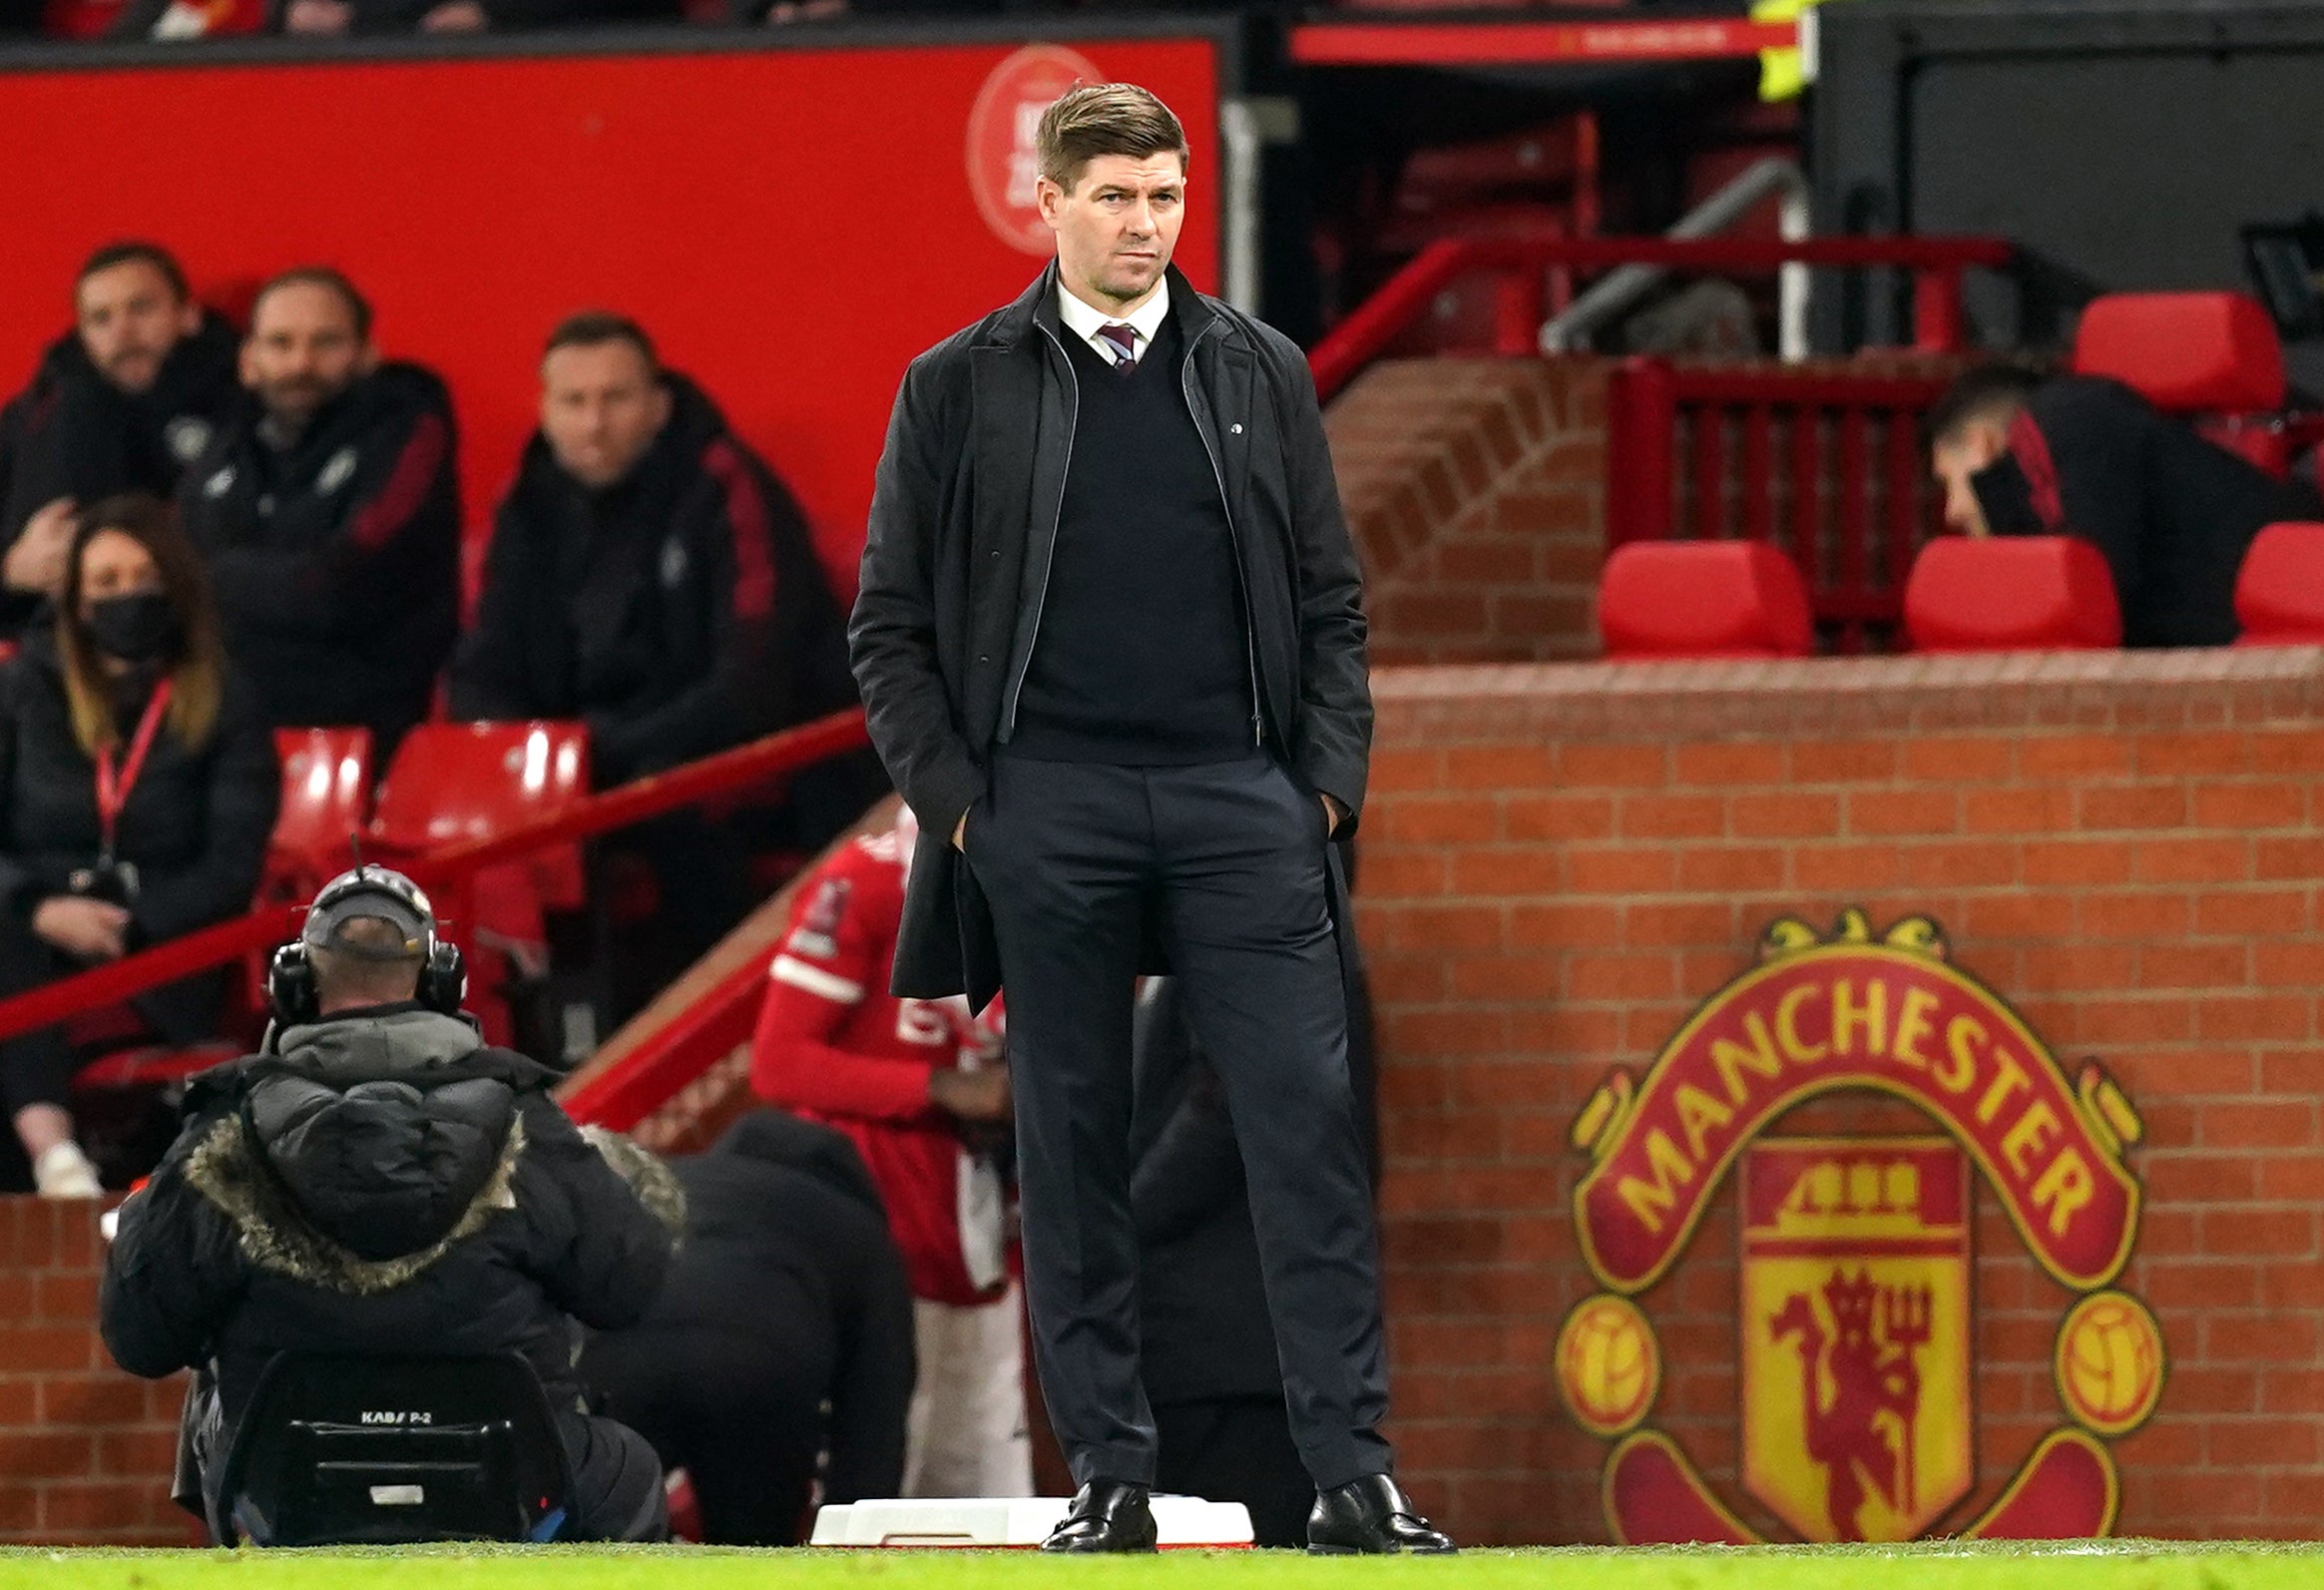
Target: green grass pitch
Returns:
[[2101, 1565]]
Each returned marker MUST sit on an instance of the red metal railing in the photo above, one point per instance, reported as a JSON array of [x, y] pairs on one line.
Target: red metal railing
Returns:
[[446, 870], [1520, 264], [1828, 466], [624, 1088], [622, 1094]]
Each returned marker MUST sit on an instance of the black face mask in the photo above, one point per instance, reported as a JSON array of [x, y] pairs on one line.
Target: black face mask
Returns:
[[144, 627]]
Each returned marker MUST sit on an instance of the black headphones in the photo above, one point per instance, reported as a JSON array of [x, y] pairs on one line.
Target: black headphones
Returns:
[[291, 985]]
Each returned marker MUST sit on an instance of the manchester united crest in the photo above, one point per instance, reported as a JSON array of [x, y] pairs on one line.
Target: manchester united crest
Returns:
[[1855, 1317]]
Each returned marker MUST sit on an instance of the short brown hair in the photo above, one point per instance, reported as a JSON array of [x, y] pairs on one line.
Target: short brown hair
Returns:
[[1990, 391], [332, 280], [596, 328], [373, 969], [136, 251], [1093, 119]]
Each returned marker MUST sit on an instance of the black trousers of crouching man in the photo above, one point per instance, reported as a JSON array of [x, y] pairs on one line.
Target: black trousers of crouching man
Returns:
[[1225, 863]]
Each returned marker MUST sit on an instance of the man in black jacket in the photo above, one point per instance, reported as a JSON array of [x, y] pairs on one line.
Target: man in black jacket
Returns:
[[328, 508], [122, 402], [785, 1330], [650, 575], [378, 1181], [1111, 640], [2018, 453]]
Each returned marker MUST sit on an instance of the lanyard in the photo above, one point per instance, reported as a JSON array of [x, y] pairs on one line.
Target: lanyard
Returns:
[[113, 789]]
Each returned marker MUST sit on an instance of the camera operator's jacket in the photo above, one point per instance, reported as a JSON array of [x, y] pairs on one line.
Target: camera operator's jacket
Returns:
[[384, 1184]]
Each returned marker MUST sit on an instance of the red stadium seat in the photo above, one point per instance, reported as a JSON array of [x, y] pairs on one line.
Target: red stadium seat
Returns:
[[454, 781], [2010, 593], [1704, 598], [327, 787], [2279, 591], [2213, 357], [2188, 352]]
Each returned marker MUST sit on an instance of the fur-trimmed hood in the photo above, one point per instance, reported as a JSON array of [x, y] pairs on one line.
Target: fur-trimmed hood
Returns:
[[366, 1147], [274, 1233]]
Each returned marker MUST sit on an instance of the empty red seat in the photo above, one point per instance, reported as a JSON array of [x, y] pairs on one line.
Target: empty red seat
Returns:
[[451, 782], [326, 789], [1704, 598], [2213, 357], [455, 782], [2279, 591], [2188, 352], [2010, 593]]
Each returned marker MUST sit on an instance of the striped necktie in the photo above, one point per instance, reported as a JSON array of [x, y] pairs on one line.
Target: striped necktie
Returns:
[[1123, 339]]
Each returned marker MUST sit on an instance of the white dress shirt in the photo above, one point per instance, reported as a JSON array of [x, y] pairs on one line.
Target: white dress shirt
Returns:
[[1084, 322]]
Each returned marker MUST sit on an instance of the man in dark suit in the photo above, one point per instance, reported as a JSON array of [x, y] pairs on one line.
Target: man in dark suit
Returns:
[[1111, 639]]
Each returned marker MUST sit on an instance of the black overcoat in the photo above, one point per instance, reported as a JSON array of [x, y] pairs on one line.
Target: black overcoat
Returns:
[[962, 524]]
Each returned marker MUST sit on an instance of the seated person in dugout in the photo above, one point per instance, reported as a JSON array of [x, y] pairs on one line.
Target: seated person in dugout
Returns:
[[379, 1181], [923, 1094], [122, 402], [330, 510], [138, 787], [782, 1334], [651, 576], [2019, 453]]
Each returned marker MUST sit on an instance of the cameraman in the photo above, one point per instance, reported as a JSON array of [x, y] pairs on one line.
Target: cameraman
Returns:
[[137, 784], [379, 1181]]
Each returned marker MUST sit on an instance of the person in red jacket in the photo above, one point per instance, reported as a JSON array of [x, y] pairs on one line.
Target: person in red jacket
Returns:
[[924, 1094]]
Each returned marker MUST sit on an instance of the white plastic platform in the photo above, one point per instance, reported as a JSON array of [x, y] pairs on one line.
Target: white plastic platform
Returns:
[[1022, 1521]]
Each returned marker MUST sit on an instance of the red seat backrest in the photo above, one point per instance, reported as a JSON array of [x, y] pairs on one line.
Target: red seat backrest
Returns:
[[2279, 591], [2010, 593], [2187, 352], [452, 781], [1704, 598], [327, 787]]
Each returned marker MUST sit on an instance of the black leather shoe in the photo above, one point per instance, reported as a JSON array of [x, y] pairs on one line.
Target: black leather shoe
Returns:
[[1370, 1517], [1106, 1515]]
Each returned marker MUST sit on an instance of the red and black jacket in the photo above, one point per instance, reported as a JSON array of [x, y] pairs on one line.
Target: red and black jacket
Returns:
[[678, 612], [337, 560], [2171, 512]]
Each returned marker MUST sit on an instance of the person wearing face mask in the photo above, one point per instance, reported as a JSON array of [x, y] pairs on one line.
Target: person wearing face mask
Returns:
[[651, 575], [137, 786], [122, 403], [329, 511]]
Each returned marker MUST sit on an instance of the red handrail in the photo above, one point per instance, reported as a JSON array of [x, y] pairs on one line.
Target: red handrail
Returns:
[[633, 1087], [1937, 266], [267, 926]]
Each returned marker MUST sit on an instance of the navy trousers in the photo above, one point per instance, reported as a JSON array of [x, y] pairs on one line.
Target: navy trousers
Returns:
[[1223, 866]]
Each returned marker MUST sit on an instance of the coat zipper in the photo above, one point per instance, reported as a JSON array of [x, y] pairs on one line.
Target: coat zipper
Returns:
[[1250, 655], [1041, 598]]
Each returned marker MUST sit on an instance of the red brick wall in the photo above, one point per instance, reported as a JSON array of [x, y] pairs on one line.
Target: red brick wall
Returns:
[[85, 1450], [1558, 862], [1475, 488]]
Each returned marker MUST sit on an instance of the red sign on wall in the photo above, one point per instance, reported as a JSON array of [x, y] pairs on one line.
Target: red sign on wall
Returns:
[[1002, 162], [1855, 1317]]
